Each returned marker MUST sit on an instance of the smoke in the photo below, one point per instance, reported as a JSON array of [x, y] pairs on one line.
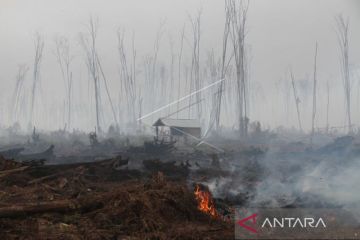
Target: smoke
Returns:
[[310, 179], [336, 183], [326, 177]]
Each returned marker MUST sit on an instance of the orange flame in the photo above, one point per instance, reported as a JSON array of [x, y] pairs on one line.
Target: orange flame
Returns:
[[205, 201]]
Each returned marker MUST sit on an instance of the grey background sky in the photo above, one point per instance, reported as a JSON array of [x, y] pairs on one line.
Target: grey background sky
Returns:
[[282, 33]]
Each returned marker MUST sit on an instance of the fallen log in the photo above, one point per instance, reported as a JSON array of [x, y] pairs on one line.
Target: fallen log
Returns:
[[56, 175], [8, 172], [34, 163], [79, 168], [58, 206], [48, 177]]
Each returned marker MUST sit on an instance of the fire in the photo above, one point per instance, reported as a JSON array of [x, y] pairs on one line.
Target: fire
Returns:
[[205, 202]]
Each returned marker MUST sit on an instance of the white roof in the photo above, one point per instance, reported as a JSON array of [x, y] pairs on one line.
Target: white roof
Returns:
[[183, 123]]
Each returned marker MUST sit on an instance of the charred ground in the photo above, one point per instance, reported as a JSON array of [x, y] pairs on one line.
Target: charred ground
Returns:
[[135, 188]]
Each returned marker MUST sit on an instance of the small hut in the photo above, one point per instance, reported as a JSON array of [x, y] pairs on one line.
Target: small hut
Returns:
[[170, 129]]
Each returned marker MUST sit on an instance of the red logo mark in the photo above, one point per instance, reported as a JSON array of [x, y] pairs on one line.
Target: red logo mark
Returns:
[[242, 222]]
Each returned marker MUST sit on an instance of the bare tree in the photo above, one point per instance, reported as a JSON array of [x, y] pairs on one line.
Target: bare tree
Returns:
[[212, 71], [195, 62], [222, 69], [172, 69], [327, 106], [88, 42], [39, 47], [93, 63], [107, 90], [20, 77], [128, 74], [155, 84], [343, 38], [182, 35], [314, 96], [223, 64], [297, 99], [64, 59], [238, 17], [149, 84]]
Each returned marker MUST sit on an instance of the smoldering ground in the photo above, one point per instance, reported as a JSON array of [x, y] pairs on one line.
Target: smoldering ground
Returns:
[[321, 177]]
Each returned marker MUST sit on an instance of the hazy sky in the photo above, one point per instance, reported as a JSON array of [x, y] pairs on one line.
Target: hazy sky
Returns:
[[281, 34]]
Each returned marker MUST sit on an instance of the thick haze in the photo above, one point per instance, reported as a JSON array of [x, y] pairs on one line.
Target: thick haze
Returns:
[[281, 34]]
